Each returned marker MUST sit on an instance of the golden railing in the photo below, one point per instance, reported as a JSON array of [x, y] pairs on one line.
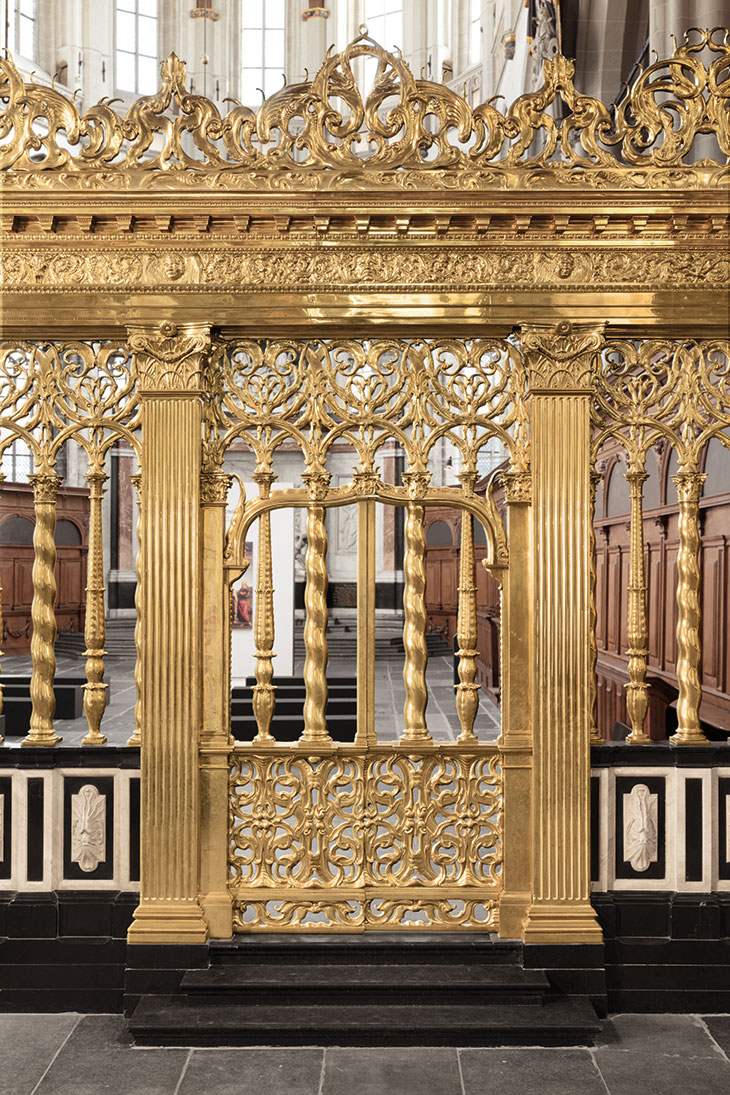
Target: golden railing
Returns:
[[677, 392], [51, 395]]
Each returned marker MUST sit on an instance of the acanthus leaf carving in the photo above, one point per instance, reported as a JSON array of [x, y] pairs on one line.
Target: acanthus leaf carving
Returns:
[[88, 828], [641, 841], [170, 358], [563, 356]]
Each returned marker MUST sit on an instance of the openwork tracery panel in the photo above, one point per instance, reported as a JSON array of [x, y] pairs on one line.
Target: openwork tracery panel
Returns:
[[52, 394], [373, 838], [650, 393]]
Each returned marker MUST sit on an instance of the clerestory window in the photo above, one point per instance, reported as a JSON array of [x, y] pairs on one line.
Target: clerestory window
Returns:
[[137, 65], [384, 19], [21, 27], [475, 32], [263, 49]]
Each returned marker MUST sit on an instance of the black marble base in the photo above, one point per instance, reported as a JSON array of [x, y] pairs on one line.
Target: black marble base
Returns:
[[666, 952], [64, 951]]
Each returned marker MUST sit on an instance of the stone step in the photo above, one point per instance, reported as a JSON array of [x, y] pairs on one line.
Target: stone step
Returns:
[[179, 1020], [368, 983]]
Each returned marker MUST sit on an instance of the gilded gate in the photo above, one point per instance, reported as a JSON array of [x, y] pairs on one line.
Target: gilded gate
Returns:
[[382, 266]]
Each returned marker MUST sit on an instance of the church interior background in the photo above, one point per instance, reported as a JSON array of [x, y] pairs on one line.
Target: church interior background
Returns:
[[365, 523]]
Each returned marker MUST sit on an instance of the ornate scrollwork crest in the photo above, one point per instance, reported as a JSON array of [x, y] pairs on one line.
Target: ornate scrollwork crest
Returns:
[[328, 132]]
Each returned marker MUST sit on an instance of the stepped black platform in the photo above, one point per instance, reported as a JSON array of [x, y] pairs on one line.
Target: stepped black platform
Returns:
[[371, 989], [17, 703], [288, 721]]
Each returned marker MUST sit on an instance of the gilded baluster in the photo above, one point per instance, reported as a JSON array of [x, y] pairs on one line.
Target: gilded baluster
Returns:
[[264, 697], [689, 732], [637, 690], [2, 739], [42, 614], [95, 629], [595, 737], [315, 628], [467, 690], [136, 738], [414, 627]]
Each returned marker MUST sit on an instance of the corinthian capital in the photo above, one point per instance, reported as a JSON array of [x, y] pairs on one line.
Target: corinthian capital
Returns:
[[562, 356], [170, 357]]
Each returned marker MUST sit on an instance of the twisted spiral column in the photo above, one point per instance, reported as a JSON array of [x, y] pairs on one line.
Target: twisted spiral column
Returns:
[[136, 738], [95, 629], [2, 739], [595, 737], [467, 697], [414, 627], [264, 692], [689, 488], [637, 690], [43, 617], [315, 628]]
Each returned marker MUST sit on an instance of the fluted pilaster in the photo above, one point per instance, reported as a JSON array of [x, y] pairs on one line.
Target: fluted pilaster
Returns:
[[561, 361], [170, 363]]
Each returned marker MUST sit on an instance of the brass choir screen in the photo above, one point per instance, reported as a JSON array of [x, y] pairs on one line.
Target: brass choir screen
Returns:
[[182, 281]]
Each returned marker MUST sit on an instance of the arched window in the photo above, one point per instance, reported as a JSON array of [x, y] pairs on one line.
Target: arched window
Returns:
[[17, 462], [16, 530], [670, 490], [717, 468], [263, 49], [618, 499], [384, 19], [137, 67], [67, 534], [21, 27], [438, 534]]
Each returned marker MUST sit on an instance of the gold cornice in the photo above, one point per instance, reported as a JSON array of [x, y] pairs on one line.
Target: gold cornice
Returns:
[[322, 134]]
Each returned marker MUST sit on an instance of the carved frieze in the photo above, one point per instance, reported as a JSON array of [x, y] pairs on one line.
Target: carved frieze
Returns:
[[103, 270]]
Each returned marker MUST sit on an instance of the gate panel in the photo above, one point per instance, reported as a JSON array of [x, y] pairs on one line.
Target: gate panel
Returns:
[[364, 839]]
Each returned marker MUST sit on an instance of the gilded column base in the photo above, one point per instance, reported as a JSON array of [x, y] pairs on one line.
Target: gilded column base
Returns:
[[168, 922], [684, 737], [41, 740], [218, 913], [553, 922], [512, 912]]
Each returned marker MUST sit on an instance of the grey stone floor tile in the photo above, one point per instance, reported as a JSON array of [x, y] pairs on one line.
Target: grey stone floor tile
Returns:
[[719, 1028], [666, 1034], [271, 1071], [660, 1074], [28, 1044], [530, 1072], [391, 1071], [98, 1060]]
